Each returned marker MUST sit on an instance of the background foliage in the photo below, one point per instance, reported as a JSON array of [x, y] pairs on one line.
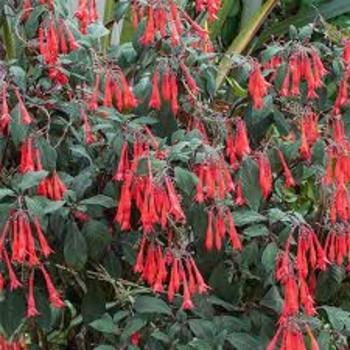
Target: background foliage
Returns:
[[107, 305]]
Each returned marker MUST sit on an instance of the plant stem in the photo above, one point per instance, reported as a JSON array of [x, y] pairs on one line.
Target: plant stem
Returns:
[[8, 39], [109, 22]]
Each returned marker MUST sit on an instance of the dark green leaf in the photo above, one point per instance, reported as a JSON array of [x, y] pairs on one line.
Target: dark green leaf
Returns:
[[249, 175], [97, 238], [93, 304], [256, 231], [244, 217], [146, 304], [243, 341], [101, 200], [31, 179], [134, 325], [104, 324], [75, 248], [273, 300], [185, 180], [12, 311]]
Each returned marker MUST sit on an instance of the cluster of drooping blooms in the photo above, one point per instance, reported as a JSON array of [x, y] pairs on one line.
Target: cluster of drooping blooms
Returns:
[[164, 18], [237, 145], [51, 187], [287, 172], [28, 6], [290, 335], [55, 38], [154, 195], [19, 245], [88, 137], [165, 86], [116, 92], [86, 14], [212, 6], [304, 65], [220, 223], [308, 134], [337, 175], [337, 245], [297, 276], [265, 174], [176, 266], [258, 86], [15, 345], [343, 96], [214, 179], [5, 113]]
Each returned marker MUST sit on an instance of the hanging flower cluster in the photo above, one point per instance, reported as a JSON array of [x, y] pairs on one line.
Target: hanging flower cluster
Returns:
[[303, 65], [214, 179], [290, 334], [165, 18], [15, 345], [149, 198], [237, 145], [155, 197], [212, 6], [176, 267], [220, 222], [56, 38], [51, 187], [116, 92], [165, 86], [23, 242], [86, 14], [298, 279]]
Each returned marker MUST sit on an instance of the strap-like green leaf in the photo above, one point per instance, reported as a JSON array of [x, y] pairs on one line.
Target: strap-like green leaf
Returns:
[[243, 39]]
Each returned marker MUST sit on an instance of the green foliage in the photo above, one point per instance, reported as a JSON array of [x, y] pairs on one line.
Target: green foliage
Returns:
[[65, 172]]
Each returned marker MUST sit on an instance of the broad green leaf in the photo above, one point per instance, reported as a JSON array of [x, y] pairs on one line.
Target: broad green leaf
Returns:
[[101, 200], [52, 206], [185, 180], [329, 282], [273, 300], [198, 344], [75, 247], [97, 30], [5, 192], [104, 324], [120, 315], [249, 175], [12, 311], [48, 154], [97, 237], [268, 257], [163, 337], [338, 318], [93, 304], [45, 318], [243, 341], [146, 304], [256, 231], [31, 179], [134, 325], [244, 217], [18, 76], [202, 329]]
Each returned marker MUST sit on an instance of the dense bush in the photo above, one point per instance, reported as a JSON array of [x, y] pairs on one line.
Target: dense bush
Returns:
[[140, 211]]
